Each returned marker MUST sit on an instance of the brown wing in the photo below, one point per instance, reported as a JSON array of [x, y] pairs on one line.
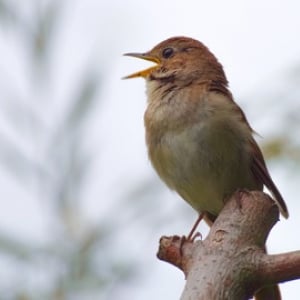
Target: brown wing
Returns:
[[258, 165], [262, 175]]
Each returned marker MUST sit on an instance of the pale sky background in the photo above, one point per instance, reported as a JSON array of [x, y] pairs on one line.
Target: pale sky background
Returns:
[[256, 41]]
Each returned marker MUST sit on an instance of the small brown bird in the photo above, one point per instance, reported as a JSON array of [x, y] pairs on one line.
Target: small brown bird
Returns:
[[199, 140]]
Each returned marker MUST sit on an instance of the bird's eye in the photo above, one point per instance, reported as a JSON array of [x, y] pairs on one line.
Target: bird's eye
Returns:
[[167, 52]]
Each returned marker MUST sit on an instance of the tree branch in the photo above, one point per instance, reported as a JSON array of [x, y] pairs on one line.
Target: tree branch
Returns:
[[231, 262]]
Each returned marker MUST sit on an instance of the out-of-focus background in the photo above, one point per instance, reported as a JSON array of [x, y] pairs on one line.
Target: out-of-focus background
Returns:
[[81, 210]]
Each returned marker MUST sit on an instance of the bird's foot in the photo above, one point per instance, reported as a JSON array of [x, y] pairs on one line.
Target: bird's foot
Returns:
[[188, 239], [193, 234]]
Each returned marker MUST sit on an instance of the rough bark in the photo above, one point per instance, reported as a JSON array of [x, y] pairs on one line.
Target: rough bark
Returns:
[[231, 262]]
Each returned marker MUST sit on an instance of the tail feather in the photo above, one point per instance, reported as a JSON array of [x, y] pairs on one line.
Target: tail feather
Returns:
[[260, 171]]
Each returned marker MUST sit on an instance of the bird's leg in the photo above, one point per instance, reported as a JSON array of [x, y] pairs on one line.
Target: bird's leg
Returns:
[[191, 236]]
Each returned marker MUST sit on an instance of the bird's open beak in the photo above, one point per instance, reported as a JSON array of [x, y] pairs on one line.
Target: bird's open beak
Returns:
[[146, 72]]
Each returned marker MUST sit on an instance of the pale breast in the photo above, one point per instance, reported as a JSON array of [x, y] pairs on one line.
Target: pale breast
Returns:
[[203, 161]]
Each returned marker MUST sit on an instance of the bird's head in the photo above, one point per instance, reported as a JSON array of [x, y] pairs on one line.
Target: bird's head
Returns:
[[180, 59]]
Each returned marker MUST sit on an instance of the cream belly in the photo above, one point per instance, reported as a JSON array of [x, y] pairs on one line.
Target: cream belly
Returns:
[[205, 163]]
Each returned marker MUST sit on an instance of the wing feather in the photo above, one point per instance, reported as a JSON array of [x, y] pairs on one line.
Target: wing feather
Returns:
[[260, 172]]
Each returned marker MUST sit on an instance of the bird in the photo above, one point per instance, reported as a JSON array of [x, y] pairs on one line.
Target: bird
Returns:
[[198, 138]]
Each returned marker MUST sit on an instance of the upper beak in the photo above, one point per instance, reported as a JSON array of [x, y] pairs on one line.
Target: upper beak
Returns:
[[146, 72]]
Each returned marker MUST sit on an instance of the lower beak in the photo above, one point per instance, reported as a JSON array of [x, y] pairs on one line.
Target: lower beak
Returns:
[[146, 72]]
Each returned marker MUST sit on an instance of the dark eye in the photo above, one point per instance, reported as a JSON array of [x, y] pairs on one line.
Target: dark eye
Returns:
[[167, 52]]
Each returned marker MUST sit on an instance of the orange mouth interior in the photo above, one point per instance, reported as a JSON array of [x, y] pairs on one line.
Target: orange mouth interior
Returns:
[[146, 72]]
